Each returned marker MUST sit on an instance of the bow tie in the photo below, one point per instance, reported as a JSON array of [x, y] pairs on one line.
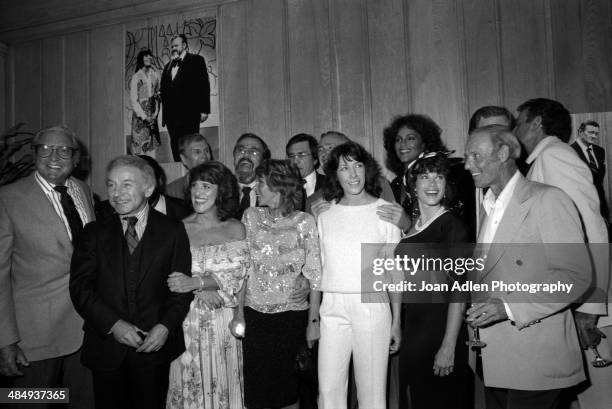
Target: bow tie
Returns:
[[176, 63]]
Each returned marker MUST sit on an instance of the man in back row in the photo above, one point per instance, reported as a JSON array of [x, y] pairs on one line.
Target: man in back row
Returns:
[[595, 157], [544, 128]]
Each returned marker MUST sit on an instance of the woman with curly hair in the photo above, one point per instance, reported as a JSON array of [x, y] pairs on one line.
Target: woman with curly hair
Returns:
[[144, 96], [404, 140], [433, 356], [284, 245], [209, 373], [367, 331]]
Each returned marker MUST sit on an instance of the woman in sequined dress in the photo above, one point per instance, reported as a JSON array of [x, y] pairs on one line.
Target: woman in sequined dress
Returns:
[[209, 373], [284, 245]]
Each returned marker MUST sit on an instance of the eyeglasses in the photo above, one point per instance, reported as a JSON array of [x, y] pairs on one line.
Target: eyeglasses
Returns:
[[243, 150], [64, 152], [299, 155]]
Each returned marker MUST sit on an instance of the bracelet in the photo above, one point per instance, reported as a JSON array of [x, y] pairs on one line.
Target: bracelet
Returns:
[[201, 283]]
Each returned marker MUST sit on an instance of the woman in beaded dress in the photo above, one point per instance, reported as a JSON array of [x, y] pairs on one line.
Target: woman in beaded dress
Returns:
[[144, 96], [209, 373], [284, 246]]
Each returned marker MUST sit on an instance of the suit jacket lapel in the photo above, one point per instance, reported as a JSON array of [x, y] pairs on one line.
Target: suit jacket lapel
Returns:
[[513, 218], [151, 241], [44, 209], [578, 150], [113, 242]]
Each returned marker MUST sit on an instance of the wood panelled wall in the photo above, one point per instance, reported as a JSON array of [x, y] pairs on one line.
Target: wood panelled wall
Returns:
[[289, 66]]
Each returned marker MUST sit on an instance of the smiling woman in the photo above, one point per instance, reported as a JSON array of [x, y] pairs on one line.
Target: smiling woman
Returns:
[[354, 189], [209, 374]]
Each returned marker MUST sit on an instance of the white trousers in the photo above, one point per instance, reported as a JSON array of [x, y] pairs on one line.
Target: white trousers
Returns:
[[599, 394], [349, 326]]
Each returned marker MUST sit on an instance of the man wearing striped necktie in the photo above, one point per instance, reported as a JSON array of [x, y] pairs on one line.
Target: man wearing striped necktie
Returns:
[[118, 283]]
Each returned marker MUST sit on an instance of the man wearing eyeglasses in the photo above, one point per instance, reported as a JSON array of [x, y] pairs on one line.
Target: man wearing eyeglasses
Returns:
[[302, 151], [250, 150], [40, 217]]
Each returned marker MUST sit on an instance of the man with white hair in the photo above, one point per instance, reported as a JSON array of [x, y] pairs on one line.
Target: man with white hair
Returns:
[[118, 283], [41, 217]]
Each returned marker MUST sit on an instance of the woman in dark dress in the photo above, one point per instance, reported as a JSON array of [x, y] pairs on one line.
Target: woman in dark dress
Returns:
[[408, 137], [433, 355]]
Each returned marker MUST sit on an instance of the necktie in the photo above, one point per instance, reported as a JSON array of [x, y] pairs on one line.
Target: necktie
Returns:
[[70, 211], [245, 202], [130, 234], [592, 162]]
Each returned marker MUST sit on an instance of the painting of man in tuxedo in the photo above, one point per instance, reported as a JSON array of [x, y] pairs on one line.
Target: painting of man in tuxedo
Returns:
[[185, 93]]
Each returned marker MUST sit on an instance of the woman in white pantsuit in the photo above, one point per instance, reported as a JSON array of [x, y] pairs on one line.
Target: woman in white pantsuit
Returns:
[[367, 331]]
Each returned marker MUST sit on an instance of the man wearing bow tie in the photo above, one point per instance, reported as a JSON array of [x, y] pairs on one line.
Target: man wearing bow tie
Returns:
[[595, 156], [185, 93]]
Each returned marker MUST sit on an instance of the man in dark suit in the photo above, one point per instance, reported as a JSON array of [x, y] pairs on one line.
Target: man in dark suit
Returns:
[[185, 93], [40, 218], [118, 283], [595, 157], [302, 150]]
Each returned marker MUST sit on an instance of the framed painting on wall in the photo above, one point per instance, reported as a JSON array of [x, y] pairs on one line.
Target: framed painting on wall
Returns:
[[148, 51]]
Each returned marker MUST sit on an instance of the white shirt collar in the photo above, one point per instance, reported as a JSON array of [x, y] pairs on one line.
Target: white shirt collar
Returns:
[[251, 185], [540, 147], [311, 182], [581, 143], [500, 202]]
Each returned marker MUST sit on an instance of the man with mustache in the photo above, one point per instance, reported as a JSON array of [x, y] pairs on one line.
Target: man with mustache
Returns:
[[185, 93], [250, 150]]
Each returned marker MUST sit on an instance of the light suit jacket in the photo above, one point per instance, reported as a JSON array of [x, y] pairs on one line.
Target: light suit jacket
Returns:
[[539, 350], [35, 252]]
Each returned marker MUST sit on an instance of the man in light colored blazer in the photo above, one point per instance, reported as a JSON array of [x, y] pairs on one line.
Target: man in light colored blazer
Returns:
[[40, 217], [532, 351]]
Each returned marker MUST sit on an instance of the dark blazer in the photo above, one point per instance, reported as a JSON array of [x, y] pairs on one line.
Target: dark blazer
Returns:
[[598, 173], [186, 96], [99, 289]]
